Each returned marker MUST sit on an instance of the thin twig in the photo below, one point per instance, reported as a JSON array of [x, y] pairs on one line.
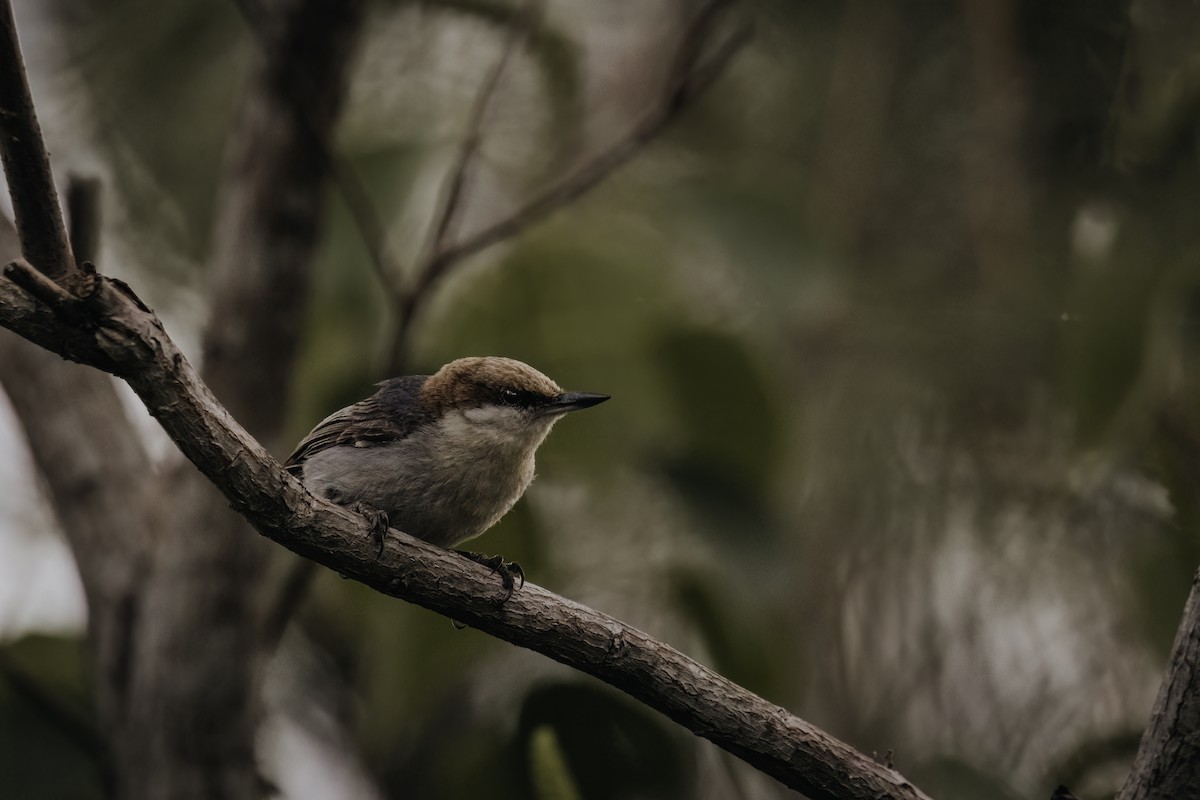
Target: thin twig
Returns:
[[405, 302], [764, 735], [691, 47], [288, 598], [295, 585], [588, 175], [83, 216], [27, 166], [518, 35], [25, 275], [691, 73]]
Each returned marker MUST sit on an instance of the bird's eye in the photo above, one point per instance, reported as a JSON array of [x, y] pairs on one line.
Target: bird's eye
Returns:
[[509, 397]]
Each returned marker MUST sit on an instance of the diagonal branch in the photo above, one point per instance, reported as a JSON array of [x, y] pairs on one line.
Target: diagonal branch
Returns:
[[589, 174], [209, 574], [113, 330], [518, 35], [126, 338], [691, 73], [93, 465], [35, 201], [404, 302], [200, 571], [1168, 759]]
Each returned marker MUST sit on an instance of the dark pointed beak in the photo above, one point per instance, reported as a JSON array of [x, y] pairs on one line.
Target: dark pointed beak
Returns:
[[572, 401]]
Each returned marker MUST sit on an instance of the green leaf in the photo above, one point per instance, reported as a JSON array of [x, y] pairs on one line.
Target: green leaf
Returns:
[[611, 748], [552, 778], [49, 744]]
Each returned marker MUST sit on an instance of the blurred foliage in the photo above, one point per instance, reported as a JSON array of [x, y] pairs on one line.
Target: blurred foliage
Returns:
[[1084, 769], [49, 747], [888, 318], [551, 778], [954, 778], [725, 415], [611, 747], [741, 647]]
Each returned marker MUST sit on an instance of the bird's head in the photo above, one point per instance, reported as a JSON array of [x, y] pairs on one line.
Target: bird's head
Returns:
[[501, 399]]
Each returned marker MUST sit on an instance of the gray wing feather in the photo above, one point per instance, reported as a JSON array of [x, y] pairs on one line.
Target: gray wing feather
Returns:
[[391, 414]]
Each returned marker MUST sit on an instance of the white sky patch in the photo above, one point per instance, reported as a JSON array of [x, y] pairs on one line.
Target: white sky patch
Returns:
[[39, 585]]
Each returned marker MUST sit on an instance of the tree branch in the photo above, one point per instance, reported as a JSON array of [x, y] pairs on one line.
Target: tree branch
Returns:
[[1167, 764], [94, 467], [518, 35], [270, 204], [113, 330], [690, 75], [126, 338], [209, 574], [27, 166], [83, 216], [405, 303]]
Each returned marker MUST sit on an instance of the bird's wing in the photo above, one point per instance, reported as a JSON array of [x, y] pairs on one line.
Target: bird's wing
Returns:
[[389, 415]]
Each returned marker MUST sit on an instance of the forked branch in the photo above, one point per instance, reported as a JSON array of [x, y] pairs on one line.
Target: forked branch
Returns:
[[696, 64], [111, 329]]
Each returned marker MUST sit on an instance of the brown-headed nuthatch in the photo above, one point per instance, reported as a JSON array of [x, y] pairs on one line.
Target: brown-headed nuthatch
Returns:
[[442, 457]]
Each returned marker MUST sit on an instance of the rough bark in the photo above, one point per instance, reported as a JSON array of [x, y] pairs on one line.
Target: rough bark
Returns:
[[693, 69], [178, 688], [196, 706], [83, 444], [1167, 764], [95, 471], [124, 337], [109, 328], [1168, 760], [35, 202]]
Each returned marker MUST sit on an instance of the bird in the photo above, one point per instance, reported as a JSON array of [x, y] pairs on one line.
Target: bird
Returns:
[[441, 457]]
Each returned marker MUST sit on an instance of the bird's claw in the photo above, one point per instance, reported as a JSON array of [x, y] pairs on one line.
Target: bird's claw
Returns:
[[512, 577], [379, 525]]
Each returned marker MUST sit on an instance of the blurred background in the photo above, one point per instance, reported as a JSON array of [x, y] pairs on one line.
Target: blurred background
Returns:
[[889, 313]]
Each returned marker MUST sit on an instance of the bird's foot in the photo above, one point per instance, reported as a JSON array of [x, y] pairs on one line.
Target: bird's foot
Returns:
[[379, 524], [512, 577]]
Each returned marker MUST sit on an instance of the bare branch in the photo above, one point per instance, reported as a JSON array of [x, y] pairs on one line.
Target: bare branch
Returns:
[[83, 216], [121, 335], [406, 303], [35, 201], [129, 340], [93, 465], [23, 274], [518, 35], [209, 574], [1167, 764], [691, 73], [588, 175]]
